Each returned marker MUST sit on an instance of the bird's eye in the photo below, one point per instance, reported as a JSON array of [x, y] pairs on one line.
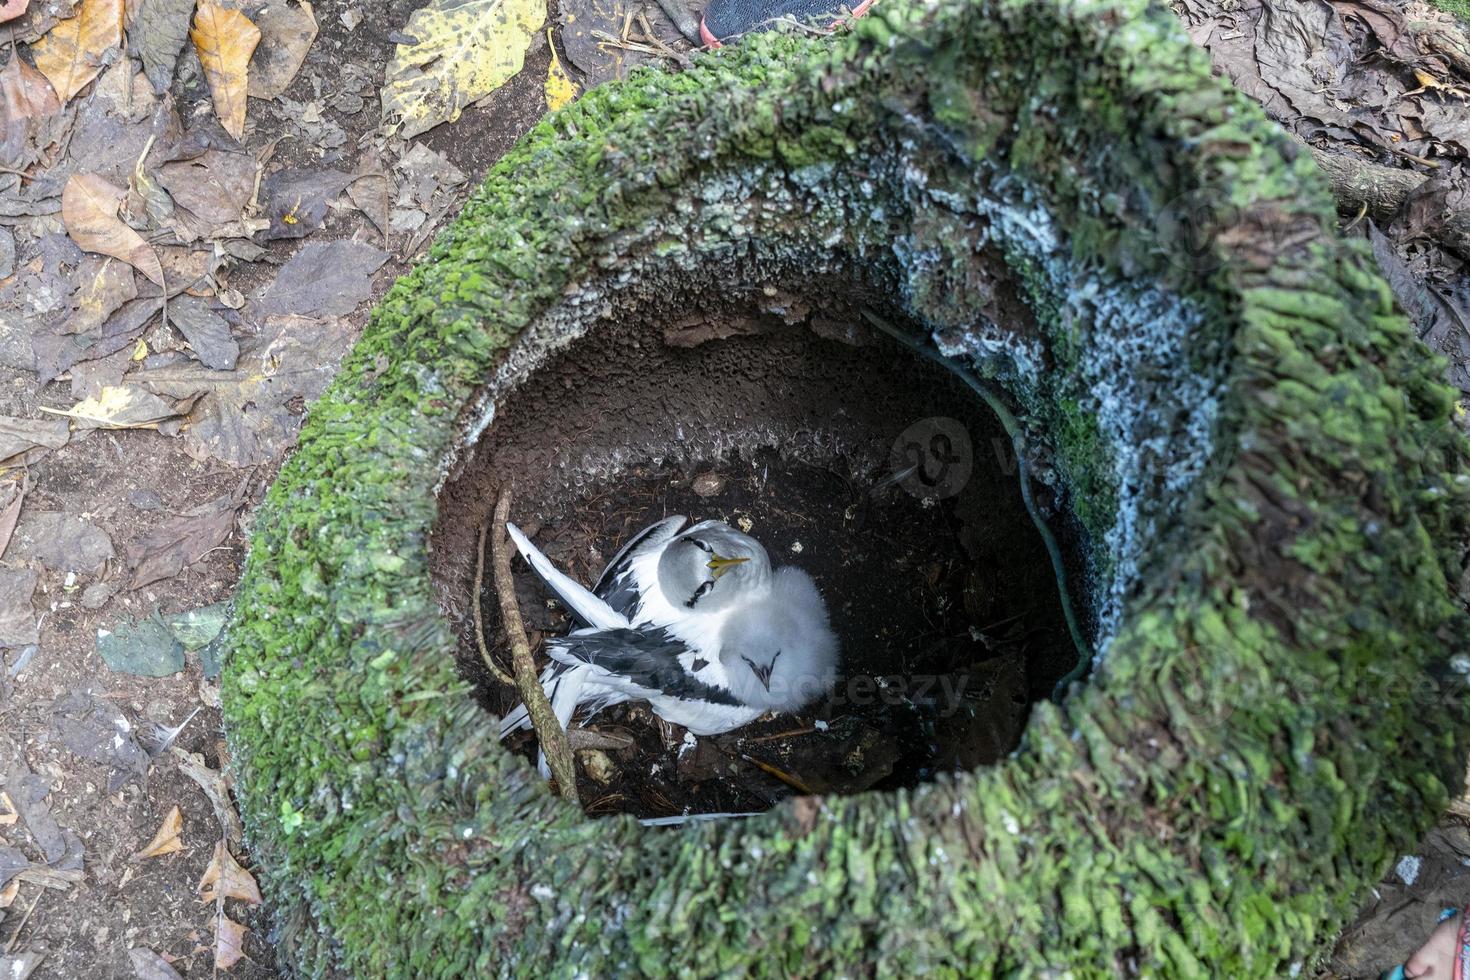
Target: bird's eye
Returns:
[[702, 546]]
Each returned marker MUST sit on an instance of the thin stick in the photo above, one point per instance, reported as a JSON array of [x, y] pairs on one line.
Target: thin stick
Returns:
[[779, 735], [490, 664], [548, 730], [23, 920], [785, 777]]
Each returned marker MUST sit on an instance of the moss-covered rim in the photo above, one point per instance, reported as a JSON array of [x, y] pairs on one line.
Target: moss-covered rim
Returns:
[[1210, 806]]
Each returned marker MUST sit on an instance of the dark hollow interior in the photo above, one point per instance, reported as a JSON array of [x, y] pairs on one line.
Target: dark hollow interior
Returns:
[[794, 428]]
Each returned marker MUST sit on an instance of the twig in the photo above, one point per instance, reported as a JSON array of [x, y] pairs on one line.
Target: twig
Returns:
[[23, 920], [653, 38], [39, 874], [490, 664], [785, 777], [548, 730], [780, 735], [587, 738], [1383, 190]]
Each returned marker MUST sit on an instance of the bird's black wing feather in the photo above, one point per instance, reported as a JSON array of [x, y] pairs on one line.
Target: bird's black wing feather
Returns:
[[647, 658], [616, 586]]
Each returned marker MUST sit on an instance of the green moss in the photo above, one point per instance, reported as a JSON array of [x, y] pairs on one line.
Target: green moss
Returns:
[[1084, 456], [1460, 8], [1213, 804]]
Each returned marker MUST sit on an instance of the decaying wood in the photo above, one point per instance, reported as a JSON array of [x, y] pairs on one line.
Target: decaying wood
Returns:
[[549, 732], [1383, 190]]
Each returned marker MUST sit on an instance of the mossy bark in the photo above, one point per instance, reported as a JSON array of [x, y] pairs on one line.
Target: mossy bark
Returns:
[[1277, 496]]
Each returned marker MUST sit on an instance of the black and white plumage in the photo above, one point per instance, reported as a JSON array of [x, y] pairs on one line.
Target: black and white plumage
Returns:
[[695, 623], [666, 577]]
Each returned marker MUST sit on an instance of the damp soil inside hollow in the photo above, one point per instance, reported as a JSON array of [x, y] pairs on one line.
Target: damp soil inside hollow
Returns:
[[876, 472]]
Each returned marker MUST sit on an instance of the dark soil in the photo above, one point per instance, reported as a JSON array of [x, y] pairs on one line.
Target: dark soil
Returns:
[[942, 594]]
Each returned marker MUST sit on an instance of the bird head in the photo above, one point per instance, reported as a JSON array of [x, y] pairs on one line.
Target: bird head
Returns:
[[712, 566]]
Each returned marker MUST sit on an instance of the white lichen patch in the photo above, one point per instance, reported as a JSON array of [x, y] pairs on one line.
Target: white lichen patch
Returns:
[[1131, 334]]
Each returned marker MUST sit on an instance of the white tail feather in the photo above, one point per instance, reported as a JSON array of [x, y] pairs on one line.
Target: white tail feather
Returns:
[[580, 600]]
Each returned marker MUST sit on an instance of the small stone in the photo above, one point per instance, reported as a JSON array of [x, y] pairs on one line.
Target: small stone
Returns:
[[145, 649], [709, 485], [95, 596], [596, 764], [145, 499]]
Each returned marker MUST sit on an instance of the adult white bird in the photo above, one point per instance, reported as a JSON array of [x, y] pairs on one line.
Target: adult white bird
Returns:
[[696, 623], [669, 577]]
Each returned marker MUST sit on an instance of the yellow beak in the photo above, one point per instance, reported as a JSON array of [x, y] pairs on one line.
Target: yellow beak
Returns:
[[722, 565]]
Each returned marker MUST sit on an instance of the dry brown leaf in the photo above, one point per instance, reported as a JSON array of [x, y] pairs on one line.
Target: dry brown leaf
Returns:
[[224, 876], [229, 942], [70, 54], [166, 841], [89, 210], [9, 517], [8, 893], [148, 965], [287, 33], [24, 92], [225, 40], [8, 814], [216, 786]]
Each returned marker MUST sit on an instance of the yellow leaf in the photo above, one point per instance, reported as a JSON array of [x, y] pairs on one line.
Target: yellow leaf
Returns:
[[122, 407], [166, 841], [24, 93], [560, 89], [229, 941], [140, 350], [225, 39], [224, 876], [464, 50], [70, 55], [89, 211]]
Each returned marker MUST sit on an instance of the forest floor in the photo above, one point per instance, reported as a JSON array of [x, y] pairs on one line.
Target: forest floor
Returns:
[[280, 184]]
